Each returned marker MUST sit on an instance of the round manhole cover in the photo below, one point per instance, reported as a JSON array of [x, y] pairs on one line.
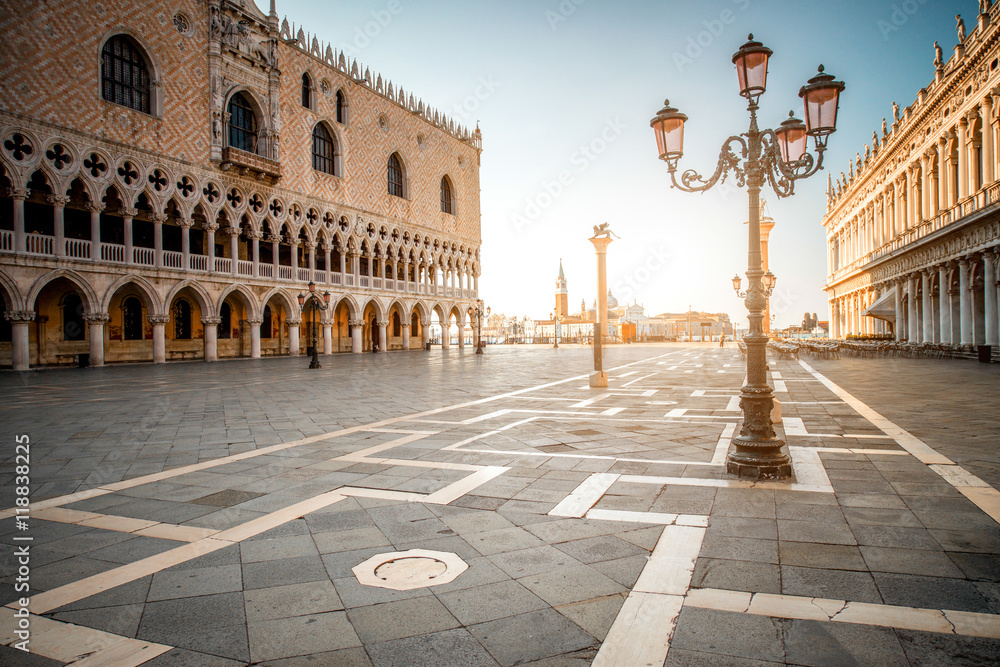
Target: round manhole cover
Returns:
[[408, 571], [405, 570]]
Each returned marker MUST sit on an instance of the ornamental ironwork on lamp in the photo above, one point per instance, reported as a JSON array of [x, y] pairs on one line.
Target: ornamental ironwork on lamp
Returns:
[[778, 158], [316, 304]]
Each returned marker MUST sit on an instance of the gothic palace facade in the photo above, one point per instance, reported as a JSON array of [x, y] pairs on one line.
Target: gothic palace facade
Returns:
[[913, 230], [173, 175]]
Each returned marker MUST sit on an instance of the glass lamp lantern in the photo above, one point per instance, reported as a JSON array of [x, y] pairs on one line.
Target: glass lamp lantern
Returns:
[[737, 282], [751, 68], [668, 125], [791, 139], [770, 280], [821, 97]]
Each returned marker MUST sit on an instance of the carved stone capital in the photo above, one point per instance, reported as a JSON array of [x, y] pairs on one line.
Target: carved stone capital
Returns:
[[158, 319], [255, 322], [232, 231], [211, 320], [96, 318], [128, 212], [294, 323], [310, 244], [357, 323], [273, 238], [96, 206], [19, 315], [185, 222], [383, 323], [211, 226], [159, 217], [57, 200], [18, 193]]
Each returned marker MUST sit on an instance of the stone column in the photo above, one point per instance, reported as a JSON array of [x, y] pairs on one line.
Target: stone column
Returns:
[[59, 227], [158, 220], [925, 187], [461, 333], [20, 338], [343, 267], [95, 209], [912, 322], [357, 328], [926, 312], [327, 252], [963, 159], [186, 224], [986, 114], [254, 325], [328, 333], [405, 330], [311, 245], [406, 277], [254, 237], [898, 324], [425, 331], [446, 333], [942, 180], [159, 323], [475, 278], [127, 215], [944, 305], [909, 213], [275, 253], [20, 238], [965, 302], [293, 337], [383, 339], [210, 228], [95, 334], [234, 249], [990, 295], [211, 337]]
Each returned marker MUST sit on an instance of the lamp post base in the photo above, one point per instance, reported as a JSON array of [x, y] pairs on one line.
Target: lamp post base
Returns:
[[315, 364], [598, 379], [763, 459]]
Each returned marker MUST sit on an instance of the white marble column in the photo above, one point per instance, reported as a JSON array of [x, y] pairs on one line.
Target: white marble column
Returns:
[[461, 330], [311, 245], [58, 223], [383, 341], [293, 337], [95, 335], [159, 323], [446, 334], [210, 245], [926, 312], [254, 237], [254, 325], [357, 329], [20, 238], [20, 337], [127, 215], [944, 305], [897, 326], [425, 331], [186, 224], [963, 159], [95, 209], [158, 220], [965, 302], [986, 115], [327, 251], [912, 321], [211, 337], [275, 254], [328, 333], [234, 249], [405, 330], [942, 180], [990, 295]]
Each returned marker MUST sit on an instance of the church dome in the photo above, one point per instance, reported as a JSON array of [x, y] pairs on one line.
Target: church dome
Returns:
[[612, 301]]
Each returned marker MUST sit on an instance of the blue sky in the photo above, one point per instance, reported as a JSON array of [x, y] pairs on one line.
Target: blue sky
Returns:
[[564, 91]]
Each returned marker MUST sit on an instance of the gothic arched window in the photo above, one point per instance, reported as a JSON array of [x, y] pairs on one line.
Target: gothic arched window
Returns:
[[446, 205], [395, 176], [306, 91], [395, 324], [341, 108], [72, 312], [132, 318], [182, 320], [125, 76], [242, 124], [324, 150]]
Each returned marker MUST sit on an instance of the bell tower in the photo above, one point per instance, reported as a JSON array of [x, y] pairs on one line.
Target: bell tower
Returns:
[[562, 293]]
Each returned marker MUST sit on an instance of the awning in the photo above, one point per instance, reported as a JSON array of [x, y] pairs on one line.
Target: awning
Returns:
[[884, 307]]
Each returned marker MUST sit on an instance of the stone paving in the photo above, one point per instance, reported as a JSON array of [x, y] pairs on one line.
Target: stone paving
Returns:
[[217, 514]]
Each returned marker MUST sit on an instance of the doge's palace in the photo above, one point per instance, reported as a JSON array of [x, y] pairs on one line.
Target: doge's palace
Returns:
[[913, 227], [174, 174]]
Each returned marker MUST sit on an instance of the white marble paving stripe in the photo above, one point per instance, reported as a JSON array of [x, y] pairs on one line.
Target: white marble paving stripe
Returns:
[[78, 645], [776, 375], [733, 405], [600, 457], [121, 524], [204, 465], [383, 494], [779, 387], [457, 489], [642, 630], [631, 382], [649, 517], [365, 454], [585, 496], [944, 621], [906, 440], [649, 392], [808, 468], [84, 588], [728, 483], [590, 401], [612, 411], [722, 448]]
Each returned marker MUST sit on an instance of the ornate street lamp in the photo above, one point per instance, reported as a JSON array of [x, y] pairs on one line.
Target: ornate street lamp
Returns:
[[313, 302], [779, 158], [477, 314], [555, 329]]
